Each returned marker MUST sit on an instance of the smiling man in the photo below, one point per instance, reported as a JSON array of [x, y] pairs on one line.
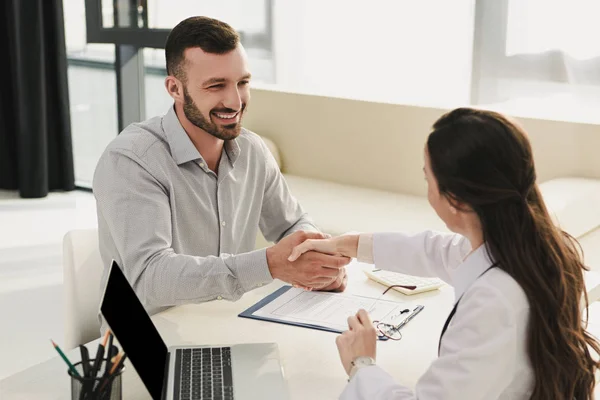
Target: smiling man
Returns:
[[181, 197]]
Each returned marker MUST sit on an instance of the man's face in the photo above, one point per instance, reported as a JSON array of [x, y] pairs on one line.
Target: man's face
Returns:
[[216, 91]]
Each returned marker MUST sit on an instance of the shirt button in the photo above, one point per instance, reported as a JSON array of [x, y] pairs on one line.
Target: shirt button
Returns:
[[219, 298], [223, 223], [260, 284], [201, 165]]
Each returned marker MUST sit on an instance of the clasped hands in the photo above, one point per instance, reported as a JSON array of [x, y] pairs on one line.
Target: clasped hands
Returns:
[[312, 269], [315, 261]]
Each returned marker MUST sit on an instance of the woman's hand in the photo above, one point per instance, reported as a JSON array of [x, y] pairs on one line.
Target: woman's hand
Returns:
[[338, 246], [359, 341]]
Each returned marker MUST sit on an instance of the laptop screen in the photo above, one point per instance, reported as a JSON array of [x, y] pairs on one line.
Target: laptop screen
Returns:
[[133, 328]]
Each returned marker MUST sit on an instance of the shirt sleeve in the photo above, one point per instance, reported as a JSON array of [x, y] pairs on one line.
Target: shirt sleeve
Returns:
[[427, 254], [134, 213], [479, 344], [364, 252], [281, 214]]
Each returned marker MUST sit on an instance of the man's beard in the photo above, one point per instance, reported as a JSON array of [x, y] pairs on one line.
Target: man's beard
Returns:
[[224, 132]]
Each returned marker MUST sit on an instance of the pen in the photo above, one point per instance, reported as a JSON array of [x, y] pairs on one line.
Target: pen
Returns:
[[409, 287], [85, 364], [99, 355], [85, 360], [417, 310], [64, 357]]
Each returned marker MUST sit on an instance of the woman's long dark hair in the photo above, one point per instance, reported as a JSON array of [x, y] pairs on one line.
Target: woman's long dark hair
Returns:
[[483, 160]]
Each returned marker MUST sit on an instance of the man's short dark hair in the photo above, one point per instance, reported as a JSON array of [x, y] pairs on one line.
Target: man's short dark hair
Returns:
[[211, 35]]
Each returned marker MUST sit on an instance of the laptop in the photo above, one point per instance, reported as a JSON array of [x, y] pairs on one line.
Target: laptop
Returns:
[[236, 372]]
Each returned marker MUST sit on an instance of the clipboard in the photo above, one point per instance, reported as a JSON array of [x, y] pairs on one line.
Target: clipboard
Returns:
[[249, 313]]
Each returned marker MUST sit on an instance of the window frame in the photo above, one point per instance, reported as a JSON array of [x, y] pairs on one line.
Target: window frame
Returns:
[[491, 64]]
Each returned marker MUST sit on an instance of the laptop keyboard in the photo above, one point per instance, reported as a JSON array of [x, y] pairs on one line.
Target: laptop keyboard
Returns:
[[203, 373]]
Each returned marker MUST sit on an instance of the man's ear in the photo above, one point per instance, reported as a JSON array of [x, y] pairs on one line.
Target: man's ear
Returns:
[[175, 88]]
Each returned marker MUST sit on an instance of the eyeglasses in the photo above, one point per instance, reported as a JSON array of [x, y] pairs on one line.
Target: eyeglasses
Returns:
[[388, 330]]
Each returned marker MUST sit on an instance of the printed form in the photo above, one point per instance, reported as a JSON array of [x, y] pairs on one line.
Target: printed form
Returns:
[[330, 310]]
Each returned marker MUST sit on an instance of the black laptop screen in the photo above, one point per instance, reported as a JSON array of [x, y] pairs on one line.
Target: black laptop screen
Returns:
[[133, 328]]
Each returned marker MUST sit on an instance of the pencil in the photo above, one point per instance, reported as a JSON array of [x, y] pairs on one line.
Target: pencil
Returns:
[[109, 349], [116, 361], [64, 357], [105, 339]]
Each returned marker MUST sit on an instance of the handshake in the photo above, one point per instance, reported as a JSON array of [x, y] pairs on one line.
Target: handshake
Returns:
[[312, 261]]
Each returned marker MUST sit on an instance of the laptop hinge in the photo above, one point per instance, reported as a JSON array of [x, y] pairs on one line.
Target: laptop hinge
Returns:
[[166, 376]]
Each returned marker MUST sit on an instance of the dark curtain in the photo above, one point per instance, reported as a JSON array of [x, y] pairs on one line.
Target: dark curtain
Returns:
[[35, 131]]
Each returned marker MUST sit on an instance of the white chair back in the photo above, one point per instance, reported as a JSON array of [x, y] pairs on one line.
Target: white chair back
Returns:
[[82, 269]]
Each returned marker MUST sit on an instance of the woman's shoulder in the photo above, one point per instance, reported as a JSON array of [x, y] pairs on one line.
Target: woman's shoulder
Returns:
[[500, 290]]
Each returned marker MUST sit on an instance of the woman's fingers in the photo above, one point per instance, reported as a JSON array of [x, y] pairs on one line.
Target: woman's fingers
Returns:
[[353, 323], [316, 235], [301, 249], [364, 318], [325, 246]]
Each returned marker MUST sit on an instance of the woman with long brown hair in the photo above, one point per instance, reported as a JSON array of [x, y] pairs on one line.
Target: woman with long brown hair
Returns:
[[516, 330]]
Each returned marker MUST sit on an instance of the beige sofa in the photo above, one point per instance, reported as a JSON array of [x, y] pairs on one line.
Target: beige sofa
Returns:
[[356, 165], [337, 208]]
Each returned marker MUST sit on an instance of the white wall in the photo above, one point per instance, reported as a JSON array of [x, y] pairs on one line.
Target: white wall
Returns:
[[247, 15], [411, 52]]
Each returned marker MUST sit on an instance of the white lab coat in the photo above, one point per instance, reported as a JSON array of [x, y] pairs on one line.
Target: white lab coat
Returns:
[[483, 354]]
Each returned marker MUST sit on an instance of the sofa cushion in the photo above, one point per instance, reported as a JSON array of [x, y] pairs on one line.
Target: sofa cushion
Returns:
[[573, 203], [337, 208], [591, 248]]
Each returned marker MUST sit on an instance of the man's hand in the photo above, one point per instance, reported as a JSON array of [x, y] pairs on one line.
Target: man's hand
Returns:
[[340, 283], [310, 270]]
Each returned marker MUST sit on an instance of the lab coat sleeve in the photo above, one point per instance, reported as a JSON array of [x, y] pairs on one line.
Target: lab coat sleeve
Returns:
[[427, 254], [477, 357]]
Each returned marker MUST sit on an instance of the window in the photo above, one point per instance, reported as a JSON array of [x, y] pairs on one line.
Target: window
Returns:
[[412, 52], [539, 58], [92, 93]]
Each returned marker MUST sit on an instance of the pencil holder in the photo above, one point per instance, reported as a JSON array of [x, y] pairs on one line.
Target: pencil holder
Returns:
[[101, 387]]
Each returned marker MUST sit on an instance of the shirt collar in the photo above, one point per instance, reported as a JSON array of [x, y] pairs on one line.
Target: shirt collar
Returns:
[[182, 148], [232, 149], [470, 269]]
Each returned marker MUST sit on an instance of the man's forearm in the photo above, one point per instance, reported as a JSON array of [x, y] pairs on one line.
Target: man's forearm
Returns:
[[169, 279]]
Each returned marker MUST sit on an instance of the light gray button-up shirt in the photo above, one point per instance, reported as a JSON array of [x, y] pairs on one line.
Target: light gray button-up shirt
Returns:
[[180, 232]]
